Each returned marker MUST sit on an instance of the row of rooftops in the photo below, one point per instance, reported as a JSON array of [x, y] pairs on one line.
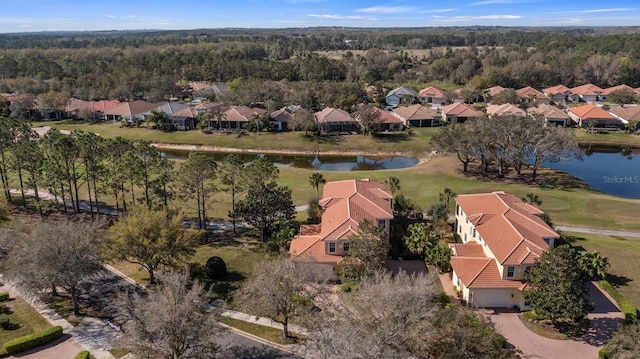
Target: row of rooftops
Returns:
[[525, 93]]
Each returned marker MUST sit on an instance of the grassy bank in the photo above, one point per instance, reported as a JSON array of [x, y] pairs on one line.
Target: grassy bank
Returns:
[[624, 256], [27, 317]]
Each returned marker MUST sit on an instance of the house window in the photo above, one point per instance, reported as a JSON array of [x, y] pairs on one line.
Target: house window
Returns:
[[382, 223], [526, 269], [474, 233], [457, 209], [345, 246], [465, 237], [332, 247], [459, 228], [511, 272]]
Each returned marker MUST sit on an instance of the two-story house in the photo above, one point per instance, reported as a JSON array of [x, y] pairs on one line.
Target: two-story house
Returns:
[[501, 238], [345, 204]]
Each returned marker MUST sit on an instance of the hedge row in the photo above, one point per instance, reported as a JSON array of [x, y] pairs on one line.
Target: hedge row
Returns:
[[27, 342], [630, 312], [4, 296], [83, 355]]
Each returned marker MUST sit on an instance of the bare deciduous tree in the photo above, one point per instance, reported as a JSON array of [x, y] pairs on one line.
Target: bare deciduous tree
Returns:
[[56, 254], [280, 290], [170, 321], [390, 315]]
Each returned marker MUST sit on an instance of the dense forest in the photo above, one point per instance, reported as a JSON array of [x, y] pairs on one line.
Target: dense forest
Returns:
[[149, 65]]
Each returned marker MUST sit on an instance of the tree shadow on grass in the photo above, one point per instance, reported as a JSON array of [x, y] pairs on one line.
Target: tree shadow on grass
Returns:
[[618, 280], [391, 137], [562, 181], [222, 289], [254, 353], [324, 140]]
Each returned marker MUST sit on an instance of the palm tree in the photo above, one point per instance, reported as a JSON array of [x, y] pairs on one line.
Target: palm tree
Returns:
[[219, 115], [532, 198], [394, 184], [446, 195], [593, 264], [315, 180]]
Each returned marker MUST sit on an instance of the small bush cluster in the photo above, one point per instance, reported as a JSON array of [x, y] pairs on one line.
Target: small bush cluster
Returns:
[[215, 268], [4, 296], [630, 312], [4, 309], [32, 340], [533, 316], [83, 355]]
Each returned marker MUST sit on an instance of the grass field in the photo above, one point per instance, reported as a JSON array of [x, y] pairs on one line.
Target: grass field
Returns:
[[29, 319], [623, 254]]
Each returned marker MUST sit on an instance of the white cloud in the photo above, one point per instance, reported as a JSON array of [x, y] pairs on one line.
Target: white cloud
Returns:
[[111, 16], [606, 10], [496, 17], [330, 16], [481, 17], [385, 9]]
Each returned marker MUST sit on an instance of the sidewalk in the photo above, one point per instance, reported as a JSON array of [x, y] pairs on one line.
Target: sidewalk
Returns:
[[217, 306], [79, 335]]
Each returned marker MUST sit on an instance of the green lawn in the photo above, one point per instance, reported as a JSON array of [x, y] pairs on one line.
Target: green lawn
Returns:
[[29, 319], [240, 254], [417, 143], [618, 138], [268, 333], [624, 256]]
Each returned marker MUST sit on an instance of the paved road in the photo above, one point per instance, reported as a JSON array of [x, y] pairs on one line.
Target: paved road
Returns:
[[607, 232]]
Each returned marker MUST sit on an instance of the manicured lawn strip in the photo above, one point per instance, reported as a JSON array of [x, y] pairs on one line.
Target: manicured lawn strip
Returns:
[[623, 254], [630, 312], [618, 138], [118, 353], [268, 333], [29, 319], [419, 142]]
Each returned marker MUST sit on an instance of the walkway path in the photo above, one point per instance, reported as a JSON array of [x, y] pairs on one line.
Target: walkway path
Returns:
[[607, 232], [217, 307]]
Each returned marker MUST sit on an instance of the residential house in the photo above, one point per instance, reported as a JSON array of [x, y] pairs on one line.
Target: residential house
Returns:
[[458, 113], [558, 93], [167, 107], [530, 95], [76, 107], [345, 204], [502, 237], [551, 115], [102, 106], [236, 117], [335, 120], [505, 109], [627, 114], [434, 96], [492, 92], [585, 93], [129, 111], [417, 116], [606, 92], [203, 86], [281, 118], [400, 95], [583, 115], [185, 119], [387, 122], [210, 107]]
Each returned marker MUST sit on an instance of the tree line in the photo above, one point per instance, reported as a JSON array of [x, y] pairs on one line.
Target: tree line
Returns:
[[133, 173], [506, 142], [151, 69]]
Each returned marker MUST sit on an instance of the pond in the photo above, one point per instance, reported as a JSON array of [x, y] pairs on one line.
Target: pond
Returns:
[[611, 170], [324, 163]]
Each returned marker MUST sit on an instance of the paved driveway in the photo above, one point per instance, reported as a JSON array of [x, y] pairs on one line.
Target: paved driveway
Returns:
[[605, 320]]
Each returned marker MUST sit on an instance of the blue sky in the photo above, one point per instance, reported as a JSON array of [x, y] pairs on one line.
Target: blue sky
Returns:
[[44, 15]]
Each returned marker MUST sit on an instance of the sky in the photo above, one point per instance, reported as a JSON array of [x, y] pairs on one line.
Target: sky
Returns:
[[80, 15]]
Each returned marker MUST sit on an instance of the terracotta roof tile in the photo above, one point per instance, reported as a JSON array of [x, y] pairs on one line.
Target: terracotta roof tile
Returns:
[[556, 90], [627, 113], [432, 92], [609, 90], [587, 90], [548, 111], [460, 110], [586, 112], [505, 110], [415, 112]]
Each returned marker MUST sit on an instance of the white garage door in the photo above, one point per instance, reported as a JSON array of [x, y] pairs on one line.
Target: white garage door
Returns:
[[324, 271], [491, 298]]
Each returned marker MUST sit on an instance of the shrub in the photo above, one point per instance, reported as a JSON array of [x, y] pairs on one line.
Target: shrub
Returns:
[[32, 340], [4, 321], [4, 296], [630, 312], [83, 355], [215, 268], [347, 287], [533, 316], [4, 309]]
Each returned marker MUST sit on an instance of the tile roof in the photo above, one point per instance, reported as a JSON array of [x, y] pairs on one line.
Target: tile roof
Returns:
[[548, 111], [104, 105], [556, 90], [387, 117], [509, 226], [77, 105], [345, 204], [495, 90], [460, 110], [609, 90], [432, 92], [131, 108], [586, 112], [415, 112], [529, 92], [627, 113], [505, 110], [330, 114], [189, 111], [242, 113], [587, 90], [170, 108]]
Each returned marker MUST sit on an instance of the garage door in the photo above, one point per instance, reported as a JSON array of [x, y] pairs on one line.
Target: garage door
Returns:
[[324, 271], [491, 298]]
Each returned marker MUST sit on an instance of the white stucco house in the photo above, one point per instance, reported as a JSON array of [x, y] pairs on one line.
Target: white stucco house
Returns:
[[501, 238]]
